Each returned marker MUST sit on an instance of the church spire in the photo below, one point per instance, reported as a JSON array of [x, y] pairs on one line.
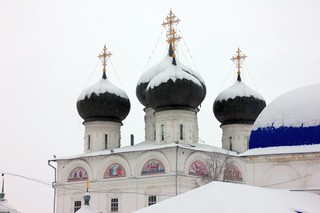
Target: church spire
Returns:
[[86, 196], [87, 184], [2, 194], [104, 57], [172, 36], [238, 59]]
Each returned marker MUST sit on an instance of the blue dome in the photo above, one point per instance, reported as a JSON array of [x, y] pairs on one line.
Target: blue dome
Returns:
[[290, 120]]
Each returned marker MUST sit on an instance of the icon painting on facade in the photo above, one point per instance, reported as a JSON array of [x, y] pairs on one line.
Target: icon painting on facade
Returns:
[[197, 168], [77, 174], [152, 167], [114, 170], [232, 173]]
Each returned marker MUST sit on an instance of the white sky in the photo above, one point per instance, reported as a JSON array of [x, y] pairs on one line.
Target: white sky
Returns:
[[48, 50]]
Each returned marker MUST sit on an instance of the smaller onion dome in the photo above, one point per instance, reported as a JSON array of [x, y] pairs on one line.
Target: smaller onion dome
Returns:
[[103, 101], [291, 119], [238, 104], [174, 89]]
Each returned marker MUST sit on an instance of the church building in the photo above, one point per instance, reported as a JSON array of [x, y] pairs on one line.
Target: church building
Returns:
[[276, 146]]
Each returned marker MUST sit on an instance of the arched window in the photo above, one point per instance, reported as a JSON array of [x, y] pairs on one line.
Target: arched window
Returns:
[[78, 174], [197, 168], [114, 170], [152, 167], [232, 173]]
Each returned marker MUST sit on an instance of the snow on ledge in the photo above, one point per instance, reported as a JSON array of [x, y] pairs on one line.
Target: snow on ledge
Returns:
[[282, 150], [149, 146]]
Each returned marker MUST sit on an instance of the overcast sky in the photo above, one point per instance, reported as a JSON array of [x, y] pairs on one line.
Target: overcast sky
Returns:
[[49, 48]]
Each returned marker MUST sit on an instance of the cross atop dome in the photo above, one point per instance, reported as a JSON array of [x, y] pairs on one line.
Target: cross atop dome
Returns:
[[87, 184], [238, 59], [172, 36], [104, 56]]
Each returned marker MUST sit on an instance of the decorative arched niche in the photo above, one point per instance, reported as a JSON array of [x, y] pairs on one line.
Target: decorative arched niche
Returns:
[[114, 170], [77, 174], [197, 168], [152, 167], [232, 173], [281, 177]]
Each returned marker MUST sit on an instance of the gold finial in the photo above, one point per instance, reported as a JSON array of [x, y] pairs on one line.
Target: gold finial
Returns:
[[172, 36], [104, 56], [87, 184], [238, 60]]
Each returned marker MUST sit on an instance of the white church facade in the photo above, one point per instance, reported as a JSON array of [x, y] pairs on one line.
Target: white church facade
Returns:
[[275, 146]]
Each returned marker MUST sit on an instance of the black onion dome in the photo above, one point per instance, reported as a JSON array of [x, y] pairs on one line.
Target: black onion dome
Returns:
[[147, 76], [103, 102], [174, 89], [239, 104], [141, 93], [197, 76]]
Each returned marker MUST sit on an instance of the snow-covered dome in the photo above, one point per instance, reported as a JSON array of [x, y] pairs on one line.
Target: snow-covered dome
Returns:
[[155, 70], [291, 119], [238, 104], [103, 102], [174, 88]]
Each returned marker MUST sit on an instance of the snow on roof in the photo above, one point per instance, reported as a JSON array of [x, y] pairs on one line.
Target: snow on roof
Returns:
[[299, 107], [153, 71], [85, 209], [217, 197], [172, 72], [190, 71], [104, 85], [282, 150], [238, 89], [6, 207], [150, 145]]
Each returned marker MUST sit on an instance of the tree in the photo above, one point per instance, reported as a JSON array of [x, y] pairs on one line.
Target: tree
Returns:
[[218, 166]]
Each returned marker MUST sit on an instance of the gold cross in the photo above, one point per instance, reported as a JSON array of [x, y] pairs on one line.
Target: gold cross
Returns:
[[172, 37], [87, 184], [104, 56], [238, 58]]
